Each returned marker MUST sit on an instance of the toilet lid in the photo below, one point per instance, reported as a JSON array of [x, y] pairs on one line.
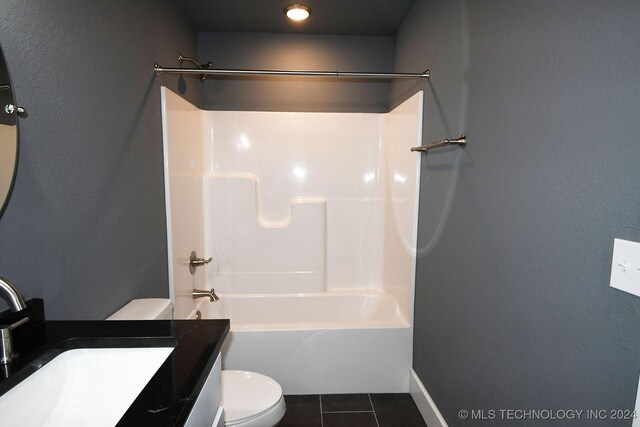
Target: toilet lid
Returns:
[[247, 394]]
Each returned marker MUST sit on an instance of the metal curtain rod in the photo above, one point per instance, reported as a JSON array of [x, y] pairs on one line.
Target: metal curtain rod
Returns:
[[230, 72], [207, 69]]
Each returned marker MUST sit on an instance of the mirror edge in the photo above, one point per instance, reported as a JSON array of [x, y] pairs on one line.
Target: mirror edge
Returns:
[[4, 205]]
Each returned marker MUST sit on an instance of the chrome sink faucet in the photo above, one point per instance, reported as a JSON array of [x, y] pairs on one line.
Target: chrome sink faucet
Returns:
[[10, 294], [198, 293]]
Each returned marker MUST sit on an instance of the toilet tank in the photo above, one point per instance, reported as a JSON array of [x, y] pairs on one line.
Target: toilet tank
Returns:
[[145, 309]]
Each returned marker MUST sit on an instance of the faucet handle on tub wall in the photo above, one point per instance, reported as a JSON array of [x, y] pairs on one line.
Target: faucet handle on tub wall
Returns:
[[194, 262]]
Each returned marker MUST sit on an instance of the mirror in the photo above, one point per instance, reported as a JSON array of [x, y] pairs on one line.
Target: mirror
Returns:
[[8, 135]]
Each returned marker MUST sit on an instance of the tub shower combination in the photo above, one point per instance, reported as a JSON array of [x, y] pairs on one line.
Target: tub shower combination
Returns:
[[310, 220]]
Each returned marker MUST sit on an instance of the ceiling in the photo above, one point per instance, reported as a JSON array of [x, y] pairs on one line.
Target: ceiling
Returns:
[[344, 17]]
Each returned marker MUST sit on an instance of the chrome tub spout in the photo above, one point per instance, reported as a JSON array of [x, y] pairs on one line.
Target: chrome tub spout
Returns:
[[198, 293]]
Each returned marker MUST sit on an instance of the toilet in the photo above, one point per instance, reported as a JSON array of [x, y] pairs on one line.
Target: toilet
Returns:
[[249, 399]]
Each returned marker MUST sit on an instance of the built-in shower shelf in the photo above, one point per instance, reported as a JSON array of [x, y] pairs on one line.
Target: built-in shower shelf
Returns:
[[244, 189]]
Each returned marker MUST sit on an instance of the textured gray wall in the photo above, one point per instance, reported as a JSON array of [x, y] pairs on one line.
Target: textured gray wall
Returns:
[[513, 304], [293, 52], [85, 228]]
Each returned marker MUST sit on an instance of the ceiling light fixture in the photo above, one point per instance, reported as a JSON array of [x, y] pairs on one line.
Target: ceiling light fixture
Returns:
[[297, 12]]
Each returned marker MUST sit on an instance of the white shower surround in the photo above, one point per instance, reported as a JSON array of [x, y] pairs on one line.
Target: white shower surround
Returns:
[[311, 221]]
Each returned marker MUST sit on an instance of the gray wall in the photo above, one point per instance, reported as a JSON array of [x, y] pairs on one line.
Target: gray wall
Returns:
[[296, 52], [513, 304], [85, 228]]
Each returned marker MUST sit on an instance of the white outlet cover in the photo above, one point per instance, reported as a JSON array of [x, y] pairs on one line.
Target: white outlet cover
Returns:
[[625, 266]]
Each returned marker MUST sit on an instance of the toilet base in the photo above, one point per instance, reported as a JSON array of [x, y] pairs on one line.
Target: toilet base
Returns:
[[270, 418]]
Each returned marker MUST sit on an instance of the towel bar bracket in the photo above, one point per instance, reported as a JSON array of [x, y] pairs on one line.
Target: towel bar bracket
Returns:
[[460, 141]]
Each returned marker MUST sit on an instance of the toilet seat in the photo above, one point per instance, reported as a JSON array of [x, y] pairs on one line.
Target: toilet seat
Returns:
[[250, 399]]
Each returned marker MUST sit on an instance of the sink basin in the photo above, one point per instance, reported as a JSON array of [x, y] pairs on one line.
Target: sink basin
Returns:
[[82, 387]]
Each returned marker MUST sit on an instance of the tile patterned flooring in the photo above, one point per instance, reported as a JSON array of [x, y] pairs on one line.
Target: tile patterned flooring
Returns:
[[352, 410]]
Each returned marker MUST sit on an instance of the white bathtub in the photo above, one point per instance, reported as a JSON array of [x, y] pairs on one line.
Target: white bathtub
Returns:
[[317, 343]]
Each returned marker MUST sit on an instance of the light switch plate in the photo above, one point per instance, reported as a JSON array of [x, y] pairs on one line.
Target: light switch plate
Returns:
[[625, 266]]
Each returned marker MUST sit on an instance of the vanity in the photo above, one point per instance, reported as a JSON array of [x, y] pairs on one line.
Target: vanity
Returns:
[[98, 373], [183, 389]]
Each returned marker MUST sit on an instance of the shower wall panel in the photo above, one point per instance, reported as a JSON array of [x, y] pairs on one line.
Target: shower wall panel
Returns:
[[183, 167], [292, 203], [401, 171], [255, 256], [300, 209]]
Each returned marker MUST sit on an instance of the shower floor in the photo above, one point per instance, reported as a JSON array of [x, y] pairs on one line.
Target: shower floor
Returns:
[[352, 410]]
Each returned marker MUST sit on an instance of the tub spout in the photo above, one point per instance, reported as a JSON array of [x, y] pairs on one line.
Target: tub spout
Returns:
[[197, 293]]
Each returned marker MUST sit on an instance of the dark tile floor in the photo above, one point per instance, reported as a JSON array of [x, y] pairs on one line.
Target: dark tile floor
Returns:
[[351, 410]]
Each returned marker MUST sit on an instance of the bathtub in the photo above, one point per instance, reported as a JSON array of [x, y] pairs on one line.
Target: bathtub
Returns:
[[330, 342]]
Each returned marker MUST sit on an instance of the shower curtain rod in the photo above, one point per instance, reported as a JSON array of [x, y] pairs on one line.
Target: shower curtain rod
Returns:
[[230, 72], [207, 69], [203, 72]]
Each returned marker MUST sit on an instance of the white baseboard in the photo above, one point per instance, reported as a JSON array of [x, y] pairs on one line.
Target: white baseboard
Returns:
[[425, 404]]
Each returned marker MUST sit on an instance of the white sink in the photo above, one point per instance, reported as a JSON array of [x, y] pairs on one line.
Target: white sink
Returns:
[[83, 387]]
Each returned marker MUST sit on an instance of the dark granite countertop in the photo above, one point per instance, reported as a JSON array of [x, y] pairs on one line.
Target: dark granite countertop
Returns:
[[169, 396]]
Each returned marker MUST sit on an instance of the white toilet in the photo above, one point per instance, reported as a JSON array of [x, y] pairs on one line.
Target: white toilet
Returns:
[[249, 399]]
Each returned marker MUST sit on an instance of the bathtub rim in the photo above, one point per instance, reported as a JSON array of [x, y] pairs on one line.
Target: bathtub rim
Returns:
[[398, 321]]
